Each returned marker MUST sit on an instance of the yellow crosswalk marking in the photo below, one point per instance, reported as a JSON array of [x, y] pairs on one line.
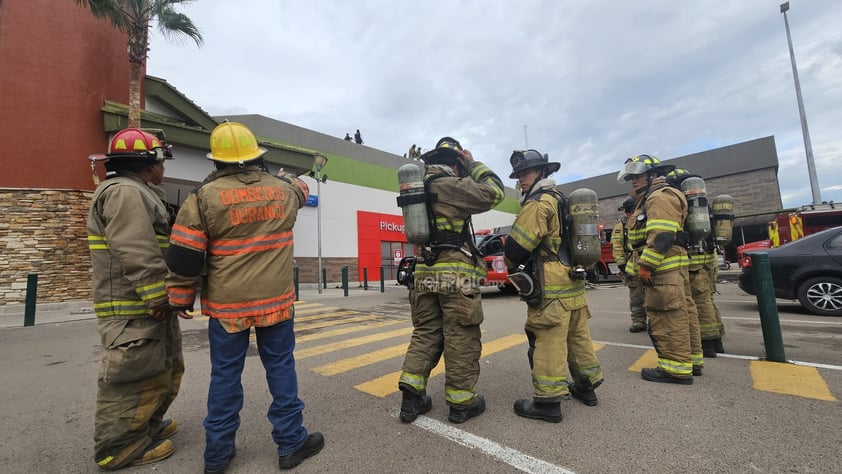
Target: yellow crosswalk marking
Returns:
[[359, 341], [325, 315], [789, 379], [648, 359], [300, 305], [388, 384], [337, 332], [336, 322], [343, 331], [363, 360]]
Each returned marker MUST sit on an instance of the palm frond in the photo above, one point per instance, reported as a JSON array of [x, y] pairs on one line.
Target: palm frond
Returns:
[[110, 10], [173, 24]]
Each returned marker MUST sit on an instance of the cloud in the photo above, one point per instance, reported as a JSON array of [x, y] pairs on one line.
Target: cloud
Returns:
[[589, 83]]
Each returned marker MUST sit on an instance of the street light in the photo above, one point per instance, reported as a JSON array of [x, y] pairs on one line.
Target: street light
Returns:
[[321, 161], [808, 148]]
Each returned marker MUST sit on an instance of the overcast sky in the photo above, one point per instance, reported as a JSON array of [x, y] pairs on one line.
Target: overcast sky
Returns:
[[590, 82]]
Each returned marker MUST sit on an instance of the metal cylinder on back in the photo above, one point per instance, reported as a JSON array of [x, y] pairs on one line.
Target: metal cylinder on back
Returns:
[[413, 203], [722, 208], [697, 223], [585, 248]]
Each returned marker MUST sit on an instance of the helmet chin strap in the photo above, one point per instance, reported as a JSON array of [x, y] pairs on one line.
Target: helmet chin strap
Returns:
[[541, 175], [649, 178]]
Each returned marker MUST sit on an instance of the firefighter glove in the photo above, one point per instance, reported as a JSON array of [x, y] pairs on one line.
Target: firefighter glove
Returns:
[[161, 312], [184, 312]]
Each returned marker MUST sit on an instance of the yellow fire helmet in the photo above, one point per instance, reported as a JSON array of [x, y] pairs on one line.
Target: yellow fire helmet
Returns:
[[233, 142]]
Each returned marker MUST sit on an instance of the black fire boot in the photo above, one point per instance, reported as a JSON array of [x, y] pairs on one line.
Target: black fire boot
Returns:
[[547, 409], [637, 327], [461, 414], [657, 375], [584, 392], [717, 344], [311, 447], [709, 348], [697, 370], [414, 403]]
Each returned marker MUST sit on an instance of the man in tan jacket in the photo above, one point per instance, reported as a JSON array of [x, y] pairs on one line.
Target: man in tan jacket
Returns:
[[446, 302], [234, 234], [621, 252], [660, 261], [142, 364], [557, 317]]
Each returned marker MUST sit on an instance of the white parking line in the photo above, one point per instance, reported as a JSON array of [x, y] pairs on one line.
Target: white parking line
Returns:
[[514, 458], [793, 321], [729, 356], [756, 320]]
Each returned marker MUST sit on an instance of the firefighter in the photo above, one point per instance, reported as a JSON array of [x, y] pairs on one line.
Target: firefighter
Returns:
[[142, 363], [621, 251], [446, 305], [557, 318], [242, 252], [703, 270], [660, 261]]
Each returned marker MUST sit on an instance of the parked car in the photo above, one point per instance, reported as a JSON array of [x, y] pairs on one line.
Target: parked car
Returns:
[[406, 268], [808, 269], [751, 246], [491, 248]]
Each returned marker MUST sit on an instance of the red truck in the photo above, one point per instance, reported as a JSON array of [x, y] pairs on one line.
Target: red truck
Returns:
[[490, 245], [794, 224], [605, 269]]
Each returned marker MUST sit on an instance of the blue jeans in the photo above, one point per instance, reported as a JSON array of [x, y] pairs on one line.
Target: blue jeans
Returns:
[[275, 345]]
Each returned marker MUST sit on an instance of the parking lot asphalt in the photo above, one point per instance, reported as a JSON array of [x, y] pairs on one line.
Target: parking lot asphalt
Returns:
[[745, 414]]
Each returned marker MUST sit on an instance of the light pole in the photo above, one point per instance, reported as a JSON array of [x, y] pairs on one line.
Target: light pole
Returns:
[[321, 161], [808, 148]]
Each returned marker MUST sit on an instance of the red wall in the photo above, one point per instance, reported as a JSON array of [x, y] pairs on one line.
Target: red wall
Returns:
[[58, 64], [373, 228]]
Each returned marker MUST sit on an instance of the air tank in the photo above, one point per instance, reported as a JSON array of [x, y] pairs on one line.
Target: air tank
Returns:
[[723, 218], [697, 223], [413, 203], [585, 248]]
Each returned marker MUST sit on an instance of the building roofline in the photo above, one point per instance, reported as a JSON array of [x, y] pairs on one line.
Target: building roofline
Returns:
[[756, 154], [293, 159], [179, 103]]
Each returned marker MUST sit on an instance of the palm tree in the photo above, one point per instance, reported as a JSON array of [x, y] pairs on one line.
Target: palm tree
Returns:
[[133, 17]]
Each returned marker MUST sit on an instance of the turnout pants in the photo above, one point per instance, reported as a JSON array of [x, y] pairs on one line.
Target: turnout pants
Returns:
[[666, 306], [139, 377], [703, 297], [693, 322], [445, 324], [559, 339], [638, 314]]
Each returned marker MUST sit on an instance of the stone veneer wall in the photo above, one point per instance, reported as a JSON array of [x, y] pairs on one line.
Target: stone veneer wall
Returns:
[[43, 232]]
